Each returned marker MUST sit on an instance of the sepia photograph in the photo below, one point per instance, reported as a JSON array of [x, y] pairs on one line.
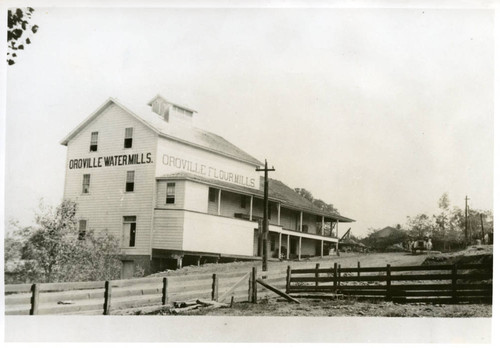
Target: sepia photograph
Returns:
[[254, 171]]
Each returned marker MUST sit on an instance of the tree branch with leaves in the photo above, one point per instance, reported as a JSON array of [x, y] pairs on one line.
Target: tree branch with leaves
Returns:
[[20, 31]]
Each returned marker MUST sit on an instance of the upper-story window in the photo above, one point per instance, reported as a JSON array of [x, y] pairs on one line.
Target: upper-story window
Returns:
[[86, 183], [127, 143], [170, 192], [93, 141], [129, 186]]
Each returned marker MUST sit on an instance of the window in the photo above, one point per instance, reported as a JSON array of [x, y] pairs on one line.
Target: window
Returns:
[[243, 202], [129, 231], [128, 138], [211, 194], [86, 183], [305, 228], [82, 229], [129, 186], [93, 141], [170, 192]]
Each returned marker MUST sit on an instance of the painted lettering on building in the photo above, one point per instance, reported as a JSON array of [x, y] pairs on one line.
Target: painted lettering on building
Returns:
[[208, 171], [110, 161]]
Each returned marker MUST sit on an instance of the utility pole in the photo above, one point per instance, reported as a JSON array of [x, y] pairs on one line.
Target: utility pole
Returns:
[[265, 223], [482, 229], [466, 221]]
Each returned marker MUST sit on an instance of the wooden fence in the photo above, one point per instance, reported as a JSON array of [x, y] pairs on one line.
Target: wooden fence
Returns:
[[117, 296], [432, 283]]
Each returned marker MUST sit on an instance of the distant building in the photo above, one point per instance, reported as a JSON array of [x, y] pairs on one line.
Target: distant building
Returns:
[[175, 194]]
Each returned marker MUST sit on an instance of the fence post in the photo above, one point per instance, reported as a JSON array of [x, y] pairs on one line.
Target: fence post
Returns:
[[107, 297], [334, 279], [250, 290], [164, 298], [254, 285], [388, 290], [215, 287], [359, 269], [35, 296], [317, 274], [338, 277], [454, 296], [288, 279]]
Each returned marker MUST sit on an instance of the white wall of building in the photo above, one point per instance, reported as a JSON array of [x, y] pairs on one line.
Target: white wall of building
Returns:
[[107, 202], [208, 233], [175, 157]]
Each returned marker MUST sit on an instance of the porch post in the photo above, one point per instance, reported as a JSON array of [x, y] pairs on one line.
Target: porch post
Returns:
[[337, 236], [279, 214], [279, 245], [218, 202], [287, 246], [251, 207], [321, 248], [300, 223], [300, 246], [322, 225]]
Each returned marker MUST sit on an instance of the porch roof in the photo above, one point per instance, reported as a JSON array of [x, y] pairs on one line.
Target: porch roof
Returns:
[[278, 192]]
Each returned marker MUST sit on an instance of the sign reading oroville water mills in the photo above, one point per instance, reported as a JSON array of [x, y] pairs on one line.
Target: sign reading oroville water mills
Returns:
[[110, 161], [207, 170]]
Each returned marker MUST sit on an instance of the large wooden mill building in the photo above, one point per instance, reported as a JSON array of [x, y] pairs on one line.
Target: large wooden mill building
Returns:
[[175, 194]]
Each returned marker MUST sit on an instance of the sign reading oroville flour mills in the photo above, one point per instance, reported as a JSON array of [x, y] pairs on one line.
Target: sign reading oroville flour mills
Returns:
[[243, 175]]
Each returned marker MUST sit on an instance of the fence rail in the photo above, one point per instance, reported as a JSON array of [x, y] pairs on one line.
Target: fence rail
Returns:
[[116, 296], [437, 283]]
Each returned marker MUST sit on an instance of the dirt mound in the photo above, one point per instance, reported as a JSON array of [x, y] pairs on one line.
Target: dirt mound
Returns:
[[477, 254]]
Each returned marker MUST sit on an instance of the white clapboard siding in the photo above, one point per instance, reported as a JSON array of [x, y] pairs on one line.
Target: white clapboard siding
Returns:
[[107, 202], [168, 229]]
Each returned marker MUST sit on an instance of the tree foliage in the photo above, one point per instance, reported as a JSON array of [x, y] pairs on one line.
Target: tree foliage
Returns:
[[317, 202], [447, 227], [19, 31], [381, 243], [51, 251]]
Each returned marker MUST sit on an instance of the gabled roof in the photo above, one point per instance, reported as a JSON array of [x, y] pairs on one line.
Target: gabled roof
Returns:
[[292, 199], [188, 135]]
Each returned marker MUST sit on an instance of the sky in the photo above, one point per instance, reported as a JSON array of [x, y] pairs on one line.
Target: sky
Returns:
[[377, 111]]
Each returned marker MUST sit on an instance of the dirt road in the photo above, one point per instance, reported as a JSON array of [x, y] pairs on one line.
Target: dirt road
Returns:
[[345, 259]]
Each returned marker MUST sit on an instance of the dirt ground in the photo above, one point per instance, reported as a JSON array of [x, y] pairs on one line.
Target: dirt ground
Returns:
[[343, 308]]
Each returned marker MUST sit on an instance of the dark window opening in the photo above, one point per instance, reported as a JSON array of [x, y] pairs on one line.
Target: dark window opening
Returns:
[[82, 229], [305, 228], [128, 138], [243, 202], [86, 183], [129, 186], [211, 194], [129, 230], [93, 141], [171, 193]]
